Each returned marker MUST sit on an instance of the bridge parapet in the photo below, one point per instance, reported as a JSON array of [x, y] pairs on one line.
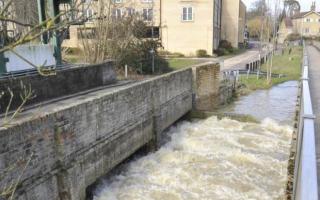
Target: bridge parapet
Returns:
[[305, 172], [67, 81], [75, 141]]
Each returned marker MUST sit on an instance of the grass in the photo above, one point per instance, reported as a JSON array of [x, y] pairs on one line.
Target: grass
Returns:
[[288, 65], [181, 63]]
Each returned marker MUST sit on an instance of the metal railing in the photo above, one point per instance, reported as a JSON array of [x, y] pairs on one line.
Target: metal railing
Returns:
[[305, 172]]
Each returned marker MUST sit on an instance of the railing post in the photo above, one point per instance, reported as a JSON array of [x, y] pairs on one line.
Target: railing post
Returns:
[[305, 172]]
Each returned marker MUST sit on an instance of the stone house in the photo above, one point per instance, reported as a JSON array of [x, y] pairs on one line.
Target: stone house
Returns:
[[285, 29], [306, 24], [233, 24], [183, 26]]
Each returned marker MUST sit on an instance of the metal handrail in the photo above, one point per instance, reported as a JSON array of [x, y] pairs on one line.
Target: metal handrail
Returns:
[[305, 174]]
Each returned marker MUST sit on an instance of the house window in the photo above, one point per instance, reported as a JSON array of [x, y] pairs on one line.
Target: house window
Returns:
[[187, 14], [86, 33], [89, 14], [308, 20], [147, 14], [117, 13], [130, 11], [117, 1], [307, 30]]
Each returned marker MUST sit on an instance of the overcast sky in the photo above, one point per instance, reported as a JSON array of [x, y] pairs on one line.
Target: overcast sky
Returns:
[[305, 4]]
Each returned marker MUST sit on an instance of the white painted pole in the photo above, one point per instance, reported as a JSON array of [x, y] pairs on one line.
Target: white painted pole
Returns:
[[126, 71]]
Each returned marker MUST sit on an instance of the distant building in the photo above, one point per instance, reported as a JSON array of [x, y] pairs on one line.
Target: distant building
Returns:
[[188, 26], [182, 26], [233, 24], [306, 24], [285, 29]]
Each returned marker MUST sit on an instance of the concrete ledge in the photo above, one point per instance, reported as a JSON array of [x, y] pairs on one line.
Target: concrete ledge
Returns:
[[77, 140], [66, 82]]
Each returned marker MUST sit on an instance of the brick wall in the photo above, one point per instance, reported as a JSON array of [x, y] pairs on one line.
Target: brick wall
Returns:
[[206, 87]]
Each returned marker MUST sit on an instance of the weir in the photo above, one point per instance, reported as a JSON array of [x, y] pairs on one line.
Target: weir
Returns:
[[61, 147]]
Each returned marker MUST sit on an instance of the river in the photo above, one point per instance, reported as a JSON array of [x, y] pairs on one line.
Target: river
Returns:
[[216, 159]]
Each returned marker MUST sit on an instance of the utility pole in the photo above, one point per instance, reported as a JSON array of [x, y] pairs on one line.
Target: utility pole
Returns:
[[152, 35], [3, 39]]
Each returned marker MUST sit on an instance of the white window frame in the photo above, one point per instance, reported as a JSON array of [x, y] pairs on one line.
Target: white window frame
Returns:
[[146, 1], [187, 14], [89, 14], [147, 16], [117, 13], [307, 30], [130, 11]]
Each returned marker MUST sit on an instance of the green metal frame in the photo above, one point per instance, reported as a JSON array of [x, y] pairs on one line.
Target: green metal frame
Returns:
[[52, 8], [46, 8], [3, 68]]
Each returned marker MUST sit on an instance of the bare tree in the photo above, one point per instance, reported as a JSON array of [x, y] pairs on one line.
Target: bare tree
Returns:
[[19, 25], [121, 34]]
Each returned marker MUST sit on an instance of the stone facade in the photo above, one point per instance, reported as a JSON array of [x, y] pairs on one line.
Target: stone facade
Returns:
[[187, 34], [233, 21], [185, 26], [306, 24]]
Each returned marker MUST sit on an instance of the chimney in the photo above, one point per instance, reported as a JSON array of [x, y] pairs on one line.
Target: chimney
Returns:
[[313, 6]]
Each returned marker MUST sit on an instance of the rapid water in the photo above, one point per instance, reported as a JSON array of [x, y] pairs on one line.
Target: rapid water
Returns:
[[217, 159], [278, 103], [210, 159]]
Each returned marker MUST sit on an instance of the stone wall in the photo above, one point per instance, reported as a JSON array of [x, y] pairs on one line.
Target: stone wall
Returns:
[[75, 141], [65, 82], [206, 87]]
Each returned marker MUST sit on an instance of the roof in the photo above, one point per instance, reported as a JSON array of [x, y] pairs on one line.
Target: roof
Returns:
[[302, 14]]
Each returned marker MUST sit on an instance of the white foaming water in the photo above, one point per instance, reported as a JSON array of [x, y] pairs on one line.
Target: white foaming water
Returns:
[[210, 159]]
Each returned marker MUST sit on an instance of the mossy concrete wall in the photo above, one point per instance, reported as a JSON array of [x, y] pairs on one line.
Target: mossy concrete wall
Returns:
[[75, 141]]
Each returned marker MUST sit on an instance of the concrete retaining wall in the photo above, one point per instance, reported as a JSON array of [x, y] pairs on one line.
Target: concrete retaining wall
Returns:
[[65, 82], [76, 141]]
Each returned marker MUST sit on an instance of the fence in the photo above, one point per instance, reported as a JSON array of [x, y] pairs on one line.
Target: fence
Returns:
[[305, 172]]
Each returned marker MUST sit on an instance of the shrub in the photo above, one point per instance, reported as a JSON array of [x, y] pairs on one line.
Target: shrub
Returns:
[[168, 53], [293, 37], [177, 55], [225, 44], [201, 53], [219, 51]]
